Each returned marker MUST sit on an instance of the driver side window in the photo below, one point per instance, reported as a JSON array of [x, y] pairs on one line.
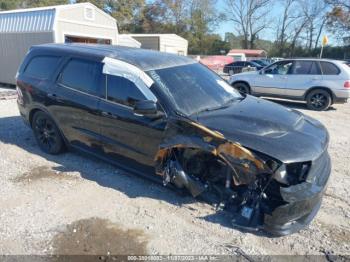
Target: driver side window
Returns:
[[279, 68], [123, 91]]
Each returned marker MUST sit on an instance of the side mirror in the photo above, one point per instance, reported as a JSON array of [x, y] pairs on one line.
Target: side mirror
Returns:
[[145, 107]]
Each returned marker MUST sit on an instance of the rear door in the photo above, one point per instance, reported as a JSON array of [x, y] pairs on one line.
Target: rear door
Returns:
[[304, 75], [131, 139], [272, 80], [75, 99]]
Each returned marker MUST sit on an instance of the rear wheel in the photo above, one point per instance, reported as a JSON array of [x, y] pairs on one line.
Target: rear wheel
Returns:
[[242, 88], [47, 134], [318, 100]]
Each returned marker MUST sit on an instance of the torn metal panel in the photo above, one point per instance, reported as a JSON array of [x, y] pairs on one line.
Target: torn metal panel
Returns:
[[197, 136]]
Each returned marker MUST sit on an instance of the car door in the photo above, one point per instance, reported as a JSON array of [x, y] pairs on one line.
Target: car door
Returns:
[[272, 80], [303, 75], [131, 139], [74, 102]]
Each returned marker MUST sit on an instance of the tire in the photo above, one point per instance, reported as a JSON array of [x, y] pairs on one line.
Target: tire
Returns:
[[318, 100], [242, 88], [46, 134]]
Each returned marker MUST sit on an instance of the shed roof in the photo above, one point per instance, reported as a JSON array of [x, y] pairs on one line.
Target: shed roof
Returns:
[[142, 58], [39, 19]]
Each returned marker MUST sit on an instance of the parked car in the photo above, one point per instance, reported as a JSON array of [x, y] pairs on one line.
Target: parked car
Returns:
[[237, 67], [216, 62], [173, 120], [320, 83]]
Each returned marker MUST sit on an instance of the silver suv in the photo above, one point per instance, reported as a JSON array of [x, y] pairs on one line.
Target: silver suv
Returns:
[[319, 82]]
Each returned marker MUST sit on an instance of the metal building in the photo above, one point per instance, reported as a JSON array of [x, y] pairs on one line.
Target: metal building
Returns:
[[22, 28], [170, 43]]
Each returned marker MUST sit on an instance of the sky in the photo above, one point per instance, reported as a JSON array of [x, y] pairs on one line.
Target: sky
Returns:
[[269, 34], [229, 26]]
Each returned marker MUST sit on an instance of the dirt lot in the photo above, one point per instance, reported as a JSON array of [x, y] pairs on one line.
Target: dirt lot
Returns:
[[72, 204]]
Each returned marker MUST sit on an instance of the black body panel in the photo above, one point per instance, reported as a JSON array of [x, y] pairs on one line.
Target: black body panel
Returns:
[[269, 128]]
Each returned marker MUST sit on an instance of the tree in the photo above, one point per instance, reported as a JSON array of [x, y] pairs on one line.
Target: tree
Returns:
[[285, 24], [338, 19], [250, 18], [314, 13], [15, 4]]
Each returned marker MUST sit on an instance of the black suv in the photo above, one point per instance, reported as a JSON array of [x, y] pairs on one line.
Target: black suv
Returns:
[[170, 118]]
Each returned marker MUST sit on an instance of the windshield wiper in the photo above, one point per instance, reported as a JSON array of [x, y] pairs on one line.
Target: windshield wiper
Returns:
[[225, 105]]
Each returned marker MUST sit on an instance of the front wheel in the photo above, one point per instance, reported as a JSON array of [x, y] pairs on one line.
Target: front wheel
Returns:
[[318, 100], [47, 134], [242, 88]]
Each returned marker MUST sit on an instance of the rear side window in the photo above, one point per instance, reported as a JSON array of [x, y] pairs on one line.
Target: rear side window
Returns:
[[82, 75], [305, 68], [42, 67], [123, 91], [329, 68]]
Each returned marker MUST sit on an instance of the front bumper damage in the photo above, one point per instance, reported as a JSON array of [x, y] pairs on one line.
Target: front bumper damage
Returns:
[[243, 181], [302, 201]]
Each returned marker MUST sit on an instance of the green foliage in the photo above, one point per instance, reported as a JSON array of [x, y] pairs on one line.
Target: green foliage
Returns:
[[338, 19], [14, 4]]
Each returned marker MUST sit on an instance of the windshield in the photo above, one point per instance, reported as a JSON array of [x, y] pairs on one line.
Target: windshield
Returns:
[[193, 88]]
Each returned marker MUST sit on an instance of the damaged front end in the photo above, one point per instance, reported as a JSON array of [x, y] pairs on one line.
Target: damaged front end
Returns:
[[249, 185]]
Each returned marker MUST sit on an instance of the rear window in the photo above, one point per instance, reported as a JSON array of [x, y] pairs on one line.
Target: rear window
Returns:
[[329, 68], [82, 75], [42, 67]]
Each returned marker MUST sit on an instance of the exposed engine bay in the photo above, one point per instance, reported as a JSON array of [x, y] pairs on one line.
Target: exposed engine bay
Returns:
[[209, 177]]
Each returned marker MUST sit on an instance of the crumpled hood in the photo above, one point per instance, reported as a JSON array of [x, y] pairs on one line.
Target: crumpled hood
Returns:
[[269, 128]]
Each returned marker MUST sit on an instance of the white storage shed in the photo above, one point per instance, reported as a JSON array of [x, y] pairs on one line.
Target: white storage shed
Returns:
[[170, 43], [22, 28]]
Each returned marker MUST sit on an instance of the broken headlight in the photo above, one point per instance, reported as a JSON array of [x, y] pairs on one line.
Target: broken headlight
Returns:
[[292, 174]]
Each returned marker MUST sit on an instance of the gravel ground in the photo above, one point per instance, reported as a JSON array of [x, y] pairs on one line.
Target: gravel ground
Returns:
[[73, 204]]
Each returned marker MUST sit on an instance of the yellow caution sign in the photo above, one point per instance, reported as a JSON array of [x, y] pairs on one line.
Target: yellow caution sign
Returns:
[[324, 40]]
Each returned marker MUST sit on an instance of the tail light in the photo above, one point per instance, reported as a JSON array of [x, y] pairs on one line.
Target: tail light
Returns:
[[19, 96], [347, 84]]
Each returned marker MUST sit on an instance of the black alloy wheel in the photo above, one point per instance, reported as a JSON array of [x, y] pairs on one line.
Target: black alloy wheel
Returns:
[[319, 100], [47, 134]]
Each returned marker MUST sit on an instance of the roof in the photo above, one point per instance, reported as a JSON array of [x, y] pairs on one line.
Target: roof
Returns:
[[156, 35], [142, 58], [39, 19], [248, 51]]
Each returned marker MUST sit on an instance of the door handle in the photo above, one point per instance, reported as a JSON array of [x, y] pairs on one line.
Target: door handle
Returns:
[[108, 114], [54, 96]]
